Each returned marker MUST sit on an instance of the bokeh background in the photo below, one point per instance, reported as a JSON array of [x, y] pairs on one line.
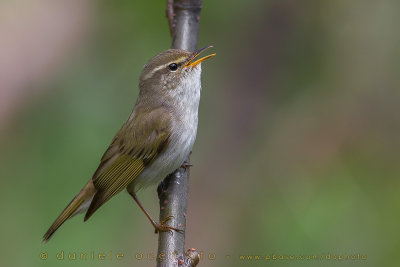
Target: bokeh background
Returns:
[[298, 146]]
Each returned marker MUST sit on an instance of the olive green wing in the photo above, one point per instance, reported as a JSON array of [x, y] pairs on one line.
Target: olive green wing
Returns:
[[138, 142]]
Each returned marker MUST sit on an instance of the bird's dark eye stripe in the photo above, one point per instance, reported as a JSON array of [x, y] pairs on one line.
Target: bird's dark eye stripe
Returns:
[[173, 67]]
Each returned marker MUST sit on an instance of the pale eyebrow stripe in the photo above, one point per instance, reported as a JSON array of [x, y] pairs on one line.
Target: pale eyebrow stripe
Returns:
[[178, 61]]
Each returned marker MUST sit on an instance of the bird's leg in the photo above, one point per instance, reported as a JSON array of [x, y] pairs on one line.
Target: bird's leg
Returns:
[[159, 227]]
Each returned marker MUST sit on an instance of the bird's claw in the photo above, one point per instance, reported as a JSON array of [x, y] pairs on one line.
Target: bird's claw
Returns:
[[161, 227]]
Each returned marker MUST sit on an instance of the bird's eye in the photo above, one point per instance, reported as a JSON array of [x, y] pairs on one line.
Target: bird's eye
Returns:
[[173, 67]]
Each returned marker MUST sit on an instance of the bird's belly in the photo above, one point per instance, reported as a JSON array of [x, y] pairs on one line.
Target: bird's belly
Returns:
[[168, 161]]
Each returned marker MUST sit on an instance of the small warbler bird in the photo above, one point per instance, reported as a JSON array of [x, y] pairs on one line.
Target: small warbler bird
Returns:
[[153, 142]]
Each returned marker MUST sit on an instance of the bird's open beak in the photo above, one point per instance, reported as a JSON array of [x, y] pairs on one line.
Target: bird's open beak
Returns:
[[192, 63]]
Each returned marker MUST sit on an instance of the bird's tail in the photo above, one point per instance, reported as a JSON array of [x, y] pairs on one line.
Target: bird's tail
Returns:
[[79, 204]]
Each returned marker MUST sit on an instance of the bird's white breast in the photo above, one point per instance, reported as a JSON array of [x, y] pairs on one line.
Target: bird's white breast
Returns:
[[183, 132]]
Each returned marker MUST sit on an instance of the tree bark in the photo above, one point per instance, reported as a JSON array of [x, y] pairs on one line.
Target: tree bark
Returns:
[[183, 17]]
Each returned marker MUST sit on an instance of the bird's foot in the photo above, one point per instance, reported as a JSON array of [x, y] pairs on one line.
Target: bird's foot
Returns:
[[161, 227]]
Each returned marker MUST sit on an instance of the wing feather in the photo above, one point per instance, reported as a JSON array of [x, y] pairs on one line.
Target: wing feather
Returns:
[[134, 147]]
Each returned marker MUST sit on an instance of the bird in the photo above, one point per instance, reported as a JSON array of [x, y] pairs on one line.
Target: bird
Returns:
[[153, 142]]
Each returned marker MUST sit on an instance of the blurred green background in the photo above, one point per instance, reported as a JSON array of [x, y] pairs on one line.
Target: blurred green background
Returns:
[[298, 146]]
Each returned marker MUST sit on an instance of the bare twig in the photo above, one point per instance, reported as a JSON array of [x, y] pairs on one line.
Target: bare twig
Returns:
[[183, 19], [187, 18], [170, 15]]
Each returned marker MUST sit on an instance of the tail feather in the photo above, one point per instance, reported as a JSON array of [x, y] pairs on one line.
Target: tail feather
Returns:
[[79, 204]]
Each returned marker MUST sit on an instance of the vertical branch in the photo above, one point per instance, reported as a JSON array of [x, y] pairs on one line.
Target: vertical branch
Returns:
[[186, 26], [183, 17]]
